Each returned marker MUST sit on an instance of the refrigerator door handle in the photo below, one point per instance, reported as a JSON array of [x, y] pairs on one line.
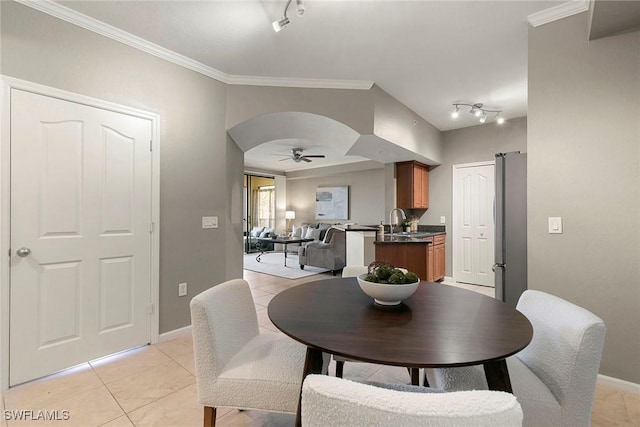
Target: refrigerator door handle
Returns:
[[498, 265]]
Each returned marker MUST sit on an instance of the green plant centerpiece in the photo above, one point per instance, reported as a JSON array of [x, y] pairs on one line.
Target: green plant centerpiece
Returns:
[[386, 284], [384, 273]]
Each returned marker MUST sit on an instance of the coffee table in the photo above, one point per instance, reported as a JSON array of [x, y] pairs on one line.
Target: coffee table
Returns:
[[282, 240], [438, 326]]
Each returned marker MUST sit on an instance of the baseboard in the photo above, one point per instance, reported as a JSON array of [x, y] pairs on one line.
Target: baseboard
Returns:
[[176, 333], [619, 384]]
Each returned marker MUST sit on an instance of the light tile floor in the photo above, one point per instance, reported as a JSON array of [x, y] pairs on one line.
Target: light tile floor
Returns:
[[155, 385]]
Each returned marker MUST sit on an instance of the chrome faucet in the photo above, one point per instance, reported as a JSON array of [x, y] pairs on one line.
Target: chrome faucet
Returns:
[[391, 216]]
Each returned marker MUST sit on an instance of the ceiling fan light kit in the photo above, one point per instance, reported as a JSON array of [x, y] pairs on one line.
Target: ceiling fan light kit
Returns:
[[279, 24], [298, 156], [477, 110]]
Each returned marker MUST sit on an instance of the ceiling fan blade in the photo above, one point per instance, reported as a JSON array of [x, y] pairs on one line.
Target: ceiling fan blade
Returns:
[[304, 158], [286, 158], [319, 156]]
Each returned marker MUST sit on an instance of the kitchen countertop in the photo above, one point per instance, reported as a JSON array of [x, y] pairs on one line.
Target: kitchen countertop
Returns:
[[423, 238]]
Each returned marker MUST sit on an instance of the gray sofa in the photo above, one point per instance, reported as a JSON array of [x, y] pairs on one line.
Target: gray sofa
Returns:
[[329, 254], [250, 242], [318, 233]]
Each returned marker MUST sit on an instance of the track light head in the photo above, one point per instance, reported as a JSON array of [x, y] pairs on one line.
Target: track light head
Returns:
[[279, 25], [479, 111]]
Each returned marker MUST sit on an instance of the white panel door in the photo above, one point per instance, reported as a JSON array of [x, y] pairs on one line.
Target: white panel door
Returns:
[[81, 204], [473, 223]]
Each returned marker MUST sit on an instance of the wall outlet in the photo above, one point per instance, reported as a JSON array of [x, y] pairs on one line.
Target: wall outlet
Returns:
[[442, 220], [182, 289]]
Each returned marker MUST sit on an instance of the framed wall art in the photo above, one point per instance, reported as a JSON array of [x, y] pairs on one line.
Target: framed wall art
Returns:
[[332, 203]]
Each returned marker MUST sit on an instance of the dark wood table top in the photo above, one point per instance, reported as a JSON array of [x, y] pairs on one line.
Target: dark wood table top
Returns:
[[286, 240], [438, 326]]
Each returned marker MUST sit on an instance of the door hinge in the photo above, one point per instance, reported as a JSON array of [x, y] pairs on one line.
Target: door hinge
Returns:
[[151, 227], [150, 309], [150, 145]]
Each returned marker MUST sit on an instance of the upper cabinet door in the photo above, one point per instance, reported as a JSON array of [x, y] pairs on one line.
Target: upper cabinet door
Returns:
[[412, 185]]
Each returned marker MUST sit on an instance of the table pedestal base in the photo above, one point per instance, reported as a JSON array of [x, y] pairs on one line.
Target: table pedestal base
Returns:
[[498, 376]]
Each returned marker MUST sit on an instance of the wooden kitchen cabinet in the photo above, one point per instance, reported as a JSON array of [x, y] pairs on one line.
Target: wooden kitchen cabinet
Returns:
[[412, 256], [426, 260], [412, 185], [439, 264]]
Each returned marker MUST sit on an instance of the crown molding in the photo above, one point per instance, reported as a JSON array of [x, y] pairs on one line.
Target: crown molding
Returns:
[[76, 18], [555, 13], [71, 16], [304, 83]]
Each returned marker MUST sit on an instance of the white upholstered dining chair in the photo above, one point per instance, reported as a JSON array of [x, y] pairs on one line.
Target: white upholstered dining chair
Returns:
[[236, 365], [331, 401], [554, 377], [354, 270]]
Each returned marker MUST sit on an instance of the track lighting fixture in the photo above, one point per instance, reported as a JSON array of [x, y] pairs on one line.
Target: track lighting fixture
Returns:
[[479, 111], [281, 23]]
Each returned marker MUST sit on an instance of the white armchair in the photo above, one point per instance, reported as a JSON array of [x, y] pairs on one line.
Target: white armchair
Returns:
[[236, 365], [554, 377], [331, 401]]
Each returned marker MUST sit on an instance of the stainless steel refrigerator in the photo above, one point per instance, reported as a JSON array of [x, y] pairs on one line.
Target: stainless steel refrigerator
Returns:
[[511, 226]]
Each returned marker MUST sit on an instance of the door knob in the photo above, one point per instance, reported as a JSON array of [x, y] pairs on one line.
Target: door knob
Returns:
[[23, 252]]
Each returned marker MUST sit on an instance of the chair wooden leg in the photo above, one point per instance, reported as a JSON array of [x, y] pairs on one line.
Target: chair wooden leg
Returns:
[[339, 368], [209, 416]]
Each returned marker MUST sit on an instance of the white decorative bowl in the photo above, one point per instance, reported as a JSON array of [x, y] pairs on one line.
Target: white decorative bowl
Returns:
[[387, 294]]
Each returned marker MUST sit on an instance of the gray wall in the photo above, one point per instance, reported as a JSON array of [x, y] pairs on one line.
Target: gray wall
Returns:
[[353, 108], [584, 165], [399, 124], [200, 170], [366, 195], [468, 145]]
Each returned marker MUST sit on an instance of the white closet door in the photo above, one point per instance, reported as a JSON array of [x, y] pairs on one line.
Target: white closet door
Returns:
[[473, 223], [81, 212]]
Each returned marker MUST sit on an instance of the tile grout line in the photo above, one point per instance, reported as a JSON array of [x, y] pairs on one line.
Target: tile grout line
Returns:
[[155, 401], [112, 396]]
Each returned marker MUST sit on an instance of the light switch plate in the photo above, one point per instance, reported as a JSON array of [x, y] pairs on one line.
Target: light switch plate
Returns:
[[555, 225], [182, 289], [209, 222], [442, 220]]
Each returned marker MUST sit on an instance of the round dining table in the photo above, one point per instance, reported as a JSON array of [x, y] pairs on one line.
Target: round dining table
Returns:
[[438, 326]]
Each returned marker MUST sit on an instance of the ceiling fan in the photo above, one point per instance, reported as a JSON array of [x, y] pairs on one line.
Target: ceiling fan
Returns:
[[298, 156]]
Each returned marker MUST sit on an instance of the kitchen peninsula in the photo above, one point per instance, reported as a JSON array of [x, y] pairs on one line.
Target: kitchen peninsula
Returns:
[[422, 252]]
